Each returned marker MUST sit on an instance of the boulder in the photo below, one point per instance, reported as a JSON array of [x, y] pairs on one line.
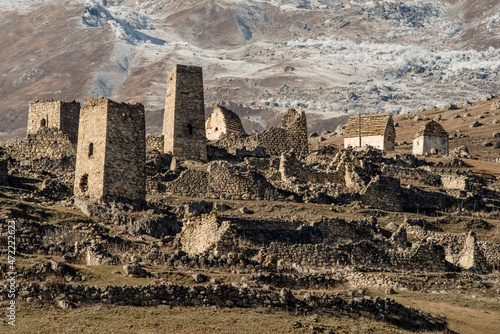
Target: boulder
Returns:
[[134, 270]]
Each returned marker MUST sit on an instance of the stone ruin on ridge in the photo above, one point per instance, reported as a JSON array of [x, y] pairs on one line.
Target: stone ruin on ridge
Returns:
[[289, 137]]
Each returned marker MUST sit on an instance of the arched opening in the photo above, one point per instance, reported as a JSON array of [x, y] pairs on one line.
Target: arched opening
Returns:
[[189, 129], [91, 149], [84, 183], [216, 129], [43, 123]]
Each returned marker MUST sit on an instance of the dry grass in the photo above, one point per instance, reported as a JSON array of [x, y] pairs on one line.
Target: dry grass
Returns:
[[464, 314], [163, 319], [109, 275]]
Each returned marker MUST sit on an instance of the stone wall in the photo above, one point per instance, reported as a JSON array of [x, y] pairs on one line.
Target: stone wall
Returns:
[[456, 182], [225, 181], [222, 295], [294, 170], [413, 176], [111, 151], [46, 143], [155, 143], [383, 192], [54, 114], [373, 255], [290, 136], [184, 119], [207, 233]]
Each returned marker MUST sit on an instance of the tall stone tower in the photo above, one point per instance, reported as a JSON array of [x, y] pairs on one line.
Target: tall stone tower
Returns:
[[184, 119], [54, 114], [111, 152]]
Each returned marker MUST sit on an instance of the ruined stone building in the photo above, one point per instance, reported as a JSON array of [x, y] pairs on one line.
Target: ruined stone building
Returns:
[[184, 118], [111, 151], [222, 121], [54, 114], [373, 130], [289, 137], [430, 138]]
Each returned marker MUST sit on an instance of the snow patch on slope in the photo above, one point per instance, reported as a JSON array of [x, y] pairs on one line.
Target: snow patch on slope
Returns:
[[123, 21]]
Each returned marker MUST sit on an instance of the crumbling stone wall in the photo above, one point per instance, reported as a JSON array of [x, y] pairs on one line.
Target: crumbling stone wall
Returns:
[[184, 119], [45, 143], [223, 295], [383, 192], [413, 176], [155, 142], [290, 136], [376, 254], [295, 170], [207, 233], [111, 152], [225, 181], [54, 114], [456, 182]]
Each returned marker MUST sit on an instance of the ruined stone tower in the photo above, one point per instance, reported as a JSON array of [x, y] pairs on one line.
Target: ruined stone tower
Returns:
[[54, 114], [184, 119], [111, 152]]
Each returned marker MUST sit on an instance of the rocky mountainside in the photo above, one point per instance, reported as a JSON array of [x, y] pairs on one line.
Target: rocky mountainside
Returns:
[[329, 57]]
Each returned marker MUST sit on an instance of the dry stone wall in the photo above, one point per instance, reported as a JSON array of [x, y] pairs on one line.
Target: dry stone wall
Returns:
[[54, 114], [155, 143], [207, 233], [290, 136], [225, 181], [46, 143], [222, 295]]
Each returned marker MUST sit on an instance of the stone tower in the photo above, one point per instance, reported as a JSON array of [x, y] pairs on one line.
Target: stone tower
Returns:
[[184, 119], [54, 114], [111, 152]]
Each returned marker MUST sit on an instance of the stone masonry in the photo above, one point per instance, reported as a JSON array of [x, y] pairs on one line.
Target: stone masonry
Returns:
[[154, 143], [289, 137], [54, 114], [223, 121], [111, 151], [184, 118], [46, 143], [207, 233]]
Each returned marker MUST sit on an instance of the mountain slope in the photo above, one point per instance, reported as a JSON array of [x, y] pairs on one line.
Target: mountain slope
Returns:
[[327, 57]]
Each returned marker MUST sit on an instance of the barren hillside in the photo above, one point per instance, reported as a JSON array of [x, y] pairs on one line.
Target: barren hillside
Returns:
[[482, 140], [329, 57]]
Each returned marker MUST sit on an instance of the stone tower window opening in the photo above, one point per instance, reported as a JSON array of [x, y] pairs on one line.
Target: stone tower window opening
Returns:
[[91, 149], [189, 129], [43, 123], [216, 129], [84, 183]]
